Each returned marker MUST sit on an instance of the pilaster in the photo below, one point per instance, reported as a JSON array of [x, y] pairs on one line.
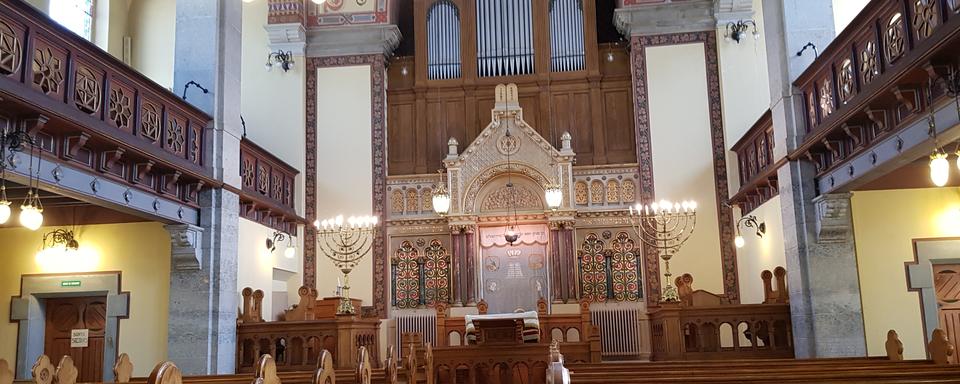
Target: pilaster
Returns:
[[818, 238]]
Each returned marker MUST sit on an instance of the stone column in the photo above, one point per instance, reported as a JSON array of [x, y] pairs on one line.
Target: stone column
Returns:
[[457, 277], [556, 268], [820, 255], [203, 290], [470, 278]]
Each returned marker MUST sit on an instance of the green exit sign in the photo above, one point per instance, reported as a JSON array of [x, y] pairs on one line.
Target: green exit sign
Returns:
[[70, 283]]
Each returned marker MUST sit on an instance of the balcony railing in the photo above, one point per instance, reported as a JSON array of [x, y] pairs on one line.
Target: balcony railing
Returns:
[[875, 77], [91, 110], [268, 193], [758, 168]]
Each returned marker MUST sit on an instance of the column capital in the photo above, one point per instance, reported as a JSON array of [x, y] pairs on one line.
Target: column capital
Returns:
[[358, 40], [287, 37], [834, 223], [185, 249], [665, 18]]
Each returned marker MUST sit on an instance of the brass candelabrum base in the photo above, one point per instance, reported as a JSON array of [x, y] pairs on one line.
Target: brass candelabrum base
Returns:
[[346, 305]]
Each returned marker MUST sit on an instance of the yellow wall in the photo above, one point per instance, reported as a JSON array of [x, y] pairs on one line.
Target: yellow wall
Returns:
[[152, 28], [679, 118], [885, 224], [759, 254], [257, 266], [344, 164], [141, 251]]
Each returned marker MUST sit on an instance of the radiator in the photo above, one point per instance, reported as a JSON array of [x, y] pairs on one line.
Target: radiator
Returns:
[[422, 323], [621, 333]]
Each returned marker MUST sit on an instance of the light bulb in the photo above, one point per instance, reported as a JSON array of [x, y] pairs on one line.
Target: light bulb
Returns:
[[268, 66], [31, 217], [319, 2], [554, 197], [4, 211], [939, 169], [290, 252], [739, 241], [248, 1]]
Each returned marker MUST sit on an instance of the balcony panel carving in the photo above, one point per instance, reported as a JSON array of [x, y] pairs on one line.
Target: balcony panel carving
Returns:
[[267, 188], [758, 169]]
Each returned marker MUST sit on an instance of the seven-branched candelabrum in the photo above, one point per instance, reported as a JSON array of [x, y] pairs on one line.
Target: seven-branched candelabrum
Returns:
[[665, 226], [345, 243]]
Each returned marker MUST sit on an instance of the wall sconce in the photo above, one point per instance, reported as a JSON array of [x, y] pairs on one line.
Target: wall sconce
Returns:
[[281, 59], [749, 222], [554, 196], [278, 236], [441, 198], [61, 237], [737, 31]]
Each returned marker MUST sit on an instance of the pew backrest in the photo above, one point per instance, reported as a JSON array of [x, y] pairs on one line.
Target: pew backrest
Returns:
[[66, 371], [428, 364], [266, 372], [165, 373], [43, 370], [410, 364], [6, 375], [364, 371], [325, 372], [389, 366]]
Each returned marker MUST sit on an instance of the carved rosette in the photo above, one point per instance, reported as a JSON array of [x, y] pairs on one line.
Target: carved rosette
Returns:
[[924, 18], [120, 108], [176, 135], [846, 81], [87, 94], [869, 64], [47, 71], [893, 39], [826, 98], [11, 50], [150, 122]]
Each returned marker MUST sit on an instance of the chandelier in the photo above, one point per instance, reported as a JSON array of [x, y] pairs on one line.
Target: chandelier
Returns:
[[441, 198], [511, 235], [31, 210]]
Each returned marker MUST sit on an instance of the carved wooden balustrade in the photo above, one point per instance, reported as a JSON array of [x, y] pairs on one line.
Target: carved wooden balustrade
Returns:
[[296, 345], [702, 326], [874, 78], [268, 188], [90, 110], [758, 168]]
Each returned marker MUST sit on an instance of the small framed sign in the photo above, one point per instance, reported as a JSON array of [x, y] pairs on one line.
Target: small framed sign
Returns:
[[79, 338]]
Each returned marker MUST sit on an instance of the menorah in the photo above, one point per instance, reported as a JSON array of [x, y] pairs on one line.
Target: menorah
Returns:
[[665, 226], [346, 244]]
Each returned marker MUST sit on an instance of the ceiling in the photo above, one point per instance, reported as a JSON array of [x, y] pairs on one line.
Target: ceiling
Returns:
[[60, 210]]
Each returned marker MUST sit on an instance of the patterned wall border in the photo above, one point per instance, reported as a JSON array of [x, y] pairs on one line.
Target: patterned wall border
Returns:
[[728, 252], [379, 172]]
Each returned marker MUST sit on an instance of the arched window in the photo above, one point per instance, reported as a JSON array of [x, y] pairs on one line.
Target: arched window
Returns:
[[504, 37], [566, 35], [443, 40]]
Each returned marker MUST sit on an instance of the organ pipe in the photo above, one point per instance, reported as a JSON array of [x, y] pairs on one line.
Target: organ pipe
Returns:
[[566, 36], [443, 41], [504, 37]]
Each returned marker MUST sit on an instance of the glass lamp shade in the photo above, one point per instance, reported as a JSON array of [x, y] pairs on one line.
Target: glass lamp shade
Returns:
[[31, 217], [290, 252], [739, 241], [441, 202], [554, 197], [319, 2], [511, 236], [4, 211], [939, 169]]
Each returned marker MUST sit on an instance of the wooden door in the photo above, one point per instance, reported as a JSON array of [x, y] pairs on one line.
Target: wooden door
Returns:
[[66, 314], [947, 286]]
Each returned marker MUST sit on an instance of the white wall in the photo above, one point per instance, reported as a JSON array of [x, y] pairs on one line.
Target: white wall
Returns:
[[344, 164], [679, 118], [844, 11], [257, 266]]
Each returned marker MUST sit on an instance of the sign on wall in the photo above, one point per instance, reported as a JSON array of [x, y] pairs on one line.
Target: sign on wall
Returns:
[[79, 338]]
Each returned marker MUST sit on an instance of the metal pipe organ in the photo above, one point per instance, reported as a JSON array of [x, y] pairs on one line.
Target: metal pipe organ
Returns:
[[566, 35], [443, 41], [504, 37]]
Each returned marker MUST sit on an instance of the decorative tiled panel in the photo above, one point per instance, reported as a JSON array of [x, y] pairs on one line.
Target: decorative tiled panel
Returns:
[[411, 196], [603, 188]]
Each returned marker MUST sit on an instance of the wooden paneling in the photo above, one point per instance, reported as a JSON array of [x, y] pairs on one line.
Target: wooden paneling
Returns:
[[594, 104], [66, 314]]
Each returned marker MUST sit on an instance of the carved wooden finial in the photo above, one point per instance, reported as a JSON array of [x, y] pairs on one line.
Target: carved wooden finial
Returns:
[[482, 307], [325, 372], [123, 369], [266, 371], [940, 348], [541, 306], [42, 370], [364, 373], [165, 373], [894, 346], [6, 375], [555, 355]]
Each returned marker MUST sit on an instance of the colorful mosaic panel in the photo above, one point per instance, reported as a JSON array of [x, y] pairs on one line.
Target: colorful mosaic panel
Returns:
[[593, 269], [624, 268], [406, 276], [436, 273]]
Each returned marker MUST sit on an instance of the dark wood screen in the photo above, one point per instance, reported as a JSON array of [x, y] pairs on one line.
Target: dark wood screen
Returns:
[[594, 104]]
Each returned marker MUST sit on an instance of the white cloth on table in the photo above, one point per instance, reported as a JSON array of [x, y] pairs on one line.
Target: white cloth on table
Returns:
[[531, 324]]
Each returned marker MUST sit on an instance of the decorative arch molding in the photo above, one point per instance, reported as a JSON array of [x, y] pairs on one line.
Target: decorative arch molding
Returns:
[[473, 198]]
